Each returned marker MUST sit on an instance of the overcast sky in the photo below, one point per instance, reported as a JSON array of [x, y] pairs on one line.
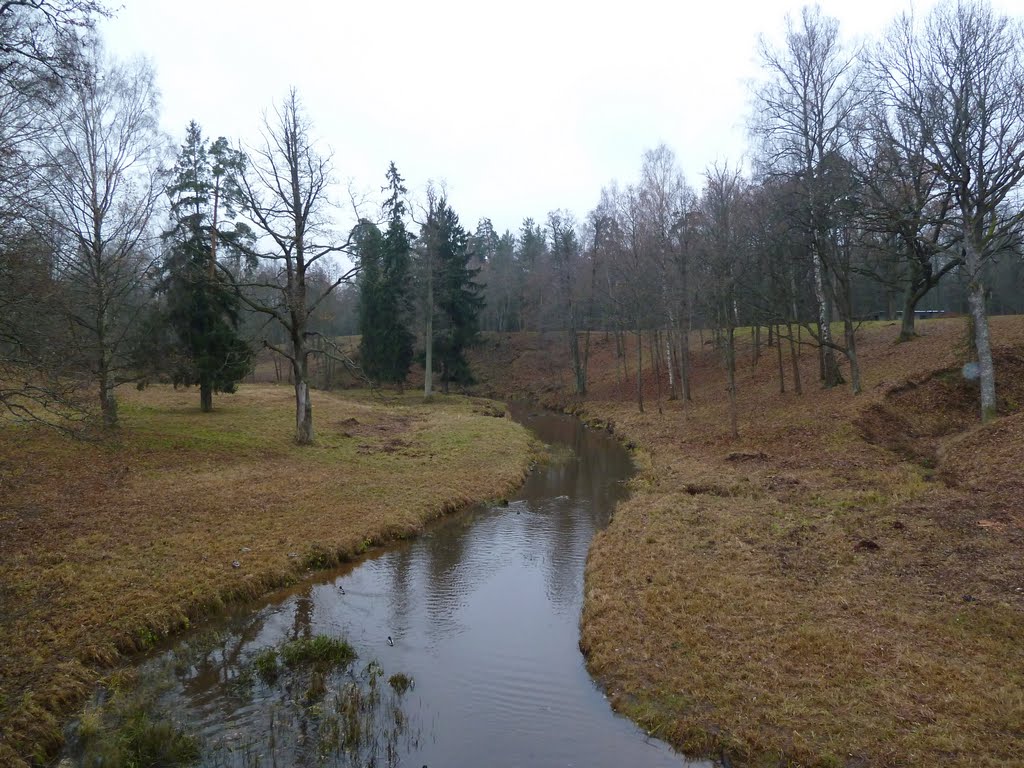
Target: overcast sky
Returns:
[[519, 107]]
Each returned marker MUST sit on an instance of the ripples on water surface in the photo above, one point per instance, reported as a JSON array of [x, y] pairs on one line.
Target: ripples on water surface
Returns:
[[483, 611]]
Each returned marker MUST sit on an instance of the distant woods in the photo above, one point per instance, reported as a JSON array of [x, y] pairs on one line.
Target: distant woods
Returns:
[[883, 181]]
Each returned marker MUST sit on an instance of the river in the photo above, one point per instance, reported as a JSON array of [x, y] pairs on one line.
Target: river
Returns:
[[482, 612]]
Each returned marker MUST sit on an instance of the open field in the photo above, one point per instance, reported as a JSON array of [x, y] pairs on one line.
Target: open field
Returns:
[[105, 548], [841, 586]]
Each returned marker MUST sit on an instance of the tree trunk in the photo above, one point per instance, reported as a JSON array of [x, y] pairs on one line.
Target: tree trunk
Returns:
[[655, 362], [979, 322], [428, 335], [850, 336], [586, 360], [778, 354], [205, 396], [821, 357], [670, 365], [684, 357], [851, 354], [830, 375], [618, 362], [108, 402], [907, 329], [303, 405], [730, 364], [756, 337], [639, 368], [794, 357], [104, 370], [579, 375], [625, 361]]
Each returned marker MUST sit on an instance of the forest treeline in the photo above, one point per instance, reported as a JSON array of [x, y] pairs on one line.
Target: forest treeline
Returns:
[[883, 180]]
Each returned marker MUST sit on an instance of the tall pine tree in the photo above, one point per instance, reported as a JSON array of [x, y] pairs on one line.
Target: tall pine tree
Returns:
[[201, 307], [386, 346], [456, 297]]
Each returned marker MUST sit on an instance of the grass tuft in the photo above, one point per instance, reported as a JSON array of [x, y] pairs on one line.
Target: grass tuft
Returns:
[[401, 683], [321, 651], [265, 664]]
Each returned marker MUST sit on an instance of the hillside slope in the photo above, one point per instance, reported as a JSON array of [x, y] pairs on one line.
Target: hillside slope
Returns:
[[842, 585]]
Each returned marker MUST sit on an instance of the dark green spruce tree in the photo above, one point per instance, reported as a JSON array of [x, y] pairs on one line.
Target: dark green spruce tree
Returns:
[[385, 302], [201, 308], [456, 297]]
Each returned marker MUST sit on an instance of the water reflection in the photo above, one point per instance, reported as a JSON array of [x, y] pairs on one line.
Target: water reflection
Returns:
[[483, 611]]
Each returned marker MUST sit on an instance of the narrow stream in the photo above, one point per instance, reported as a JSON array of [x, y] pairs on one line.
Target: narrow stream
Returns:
[[483, 613]]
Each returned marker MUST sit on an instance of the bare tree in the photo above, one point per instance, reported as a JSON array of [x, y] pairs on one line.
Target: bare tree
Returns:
[[566, 261], [804, 115], [426, 250], [39, 46], [39, 49], [44, 32], [98, 171], [723, 252], [284, 193], [907, 206], [962, 77], [667, 199], [630, 269]]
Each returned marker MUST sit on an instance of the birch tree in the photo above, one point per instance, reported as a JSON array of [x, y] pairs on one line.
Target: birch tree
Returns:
[[907, 206], [39, 47], [98, 166], [721, 265], [666, 201], [804, 116]]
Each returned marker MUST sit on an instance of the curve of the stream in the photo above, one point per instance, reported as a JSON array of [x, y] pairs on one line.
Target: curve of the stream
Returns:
[[482, 613]]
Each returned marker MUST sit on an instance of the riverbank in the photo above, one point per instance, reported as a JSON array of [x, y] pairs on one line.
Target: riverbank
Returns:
[[841, 586], [106, 548]]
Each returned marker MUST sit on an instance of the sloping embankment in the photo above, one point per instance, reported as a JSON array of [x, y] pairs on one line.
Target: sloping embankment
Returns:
[[841, 586]]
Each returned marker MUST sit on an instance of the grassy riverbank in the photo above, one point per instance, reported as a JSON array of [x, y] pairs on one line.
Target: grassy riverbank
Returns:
[[105, 548], [842, 586]]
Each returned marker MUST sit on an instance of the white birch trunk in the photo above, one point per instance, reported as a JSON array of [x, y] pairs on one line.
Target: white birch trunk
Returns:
[[982, 342]]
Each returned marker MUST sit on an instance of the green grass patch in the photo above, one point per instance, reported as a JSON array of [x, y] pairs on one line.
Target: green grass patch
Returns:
[[319, 650]]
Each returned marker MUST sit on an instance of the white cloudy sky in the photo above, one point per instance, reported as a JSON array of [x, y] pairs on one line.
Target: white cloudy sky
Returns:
[[519, 107]]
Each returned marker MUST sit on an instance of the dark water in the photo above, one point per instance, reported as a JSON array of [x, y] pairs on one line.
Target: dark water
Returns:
[[483, 612]]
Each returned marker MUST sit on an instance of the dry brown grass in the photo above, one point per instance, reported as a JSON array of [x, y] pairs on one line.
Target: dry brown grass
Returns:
[[105, 548], [842, 586]]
